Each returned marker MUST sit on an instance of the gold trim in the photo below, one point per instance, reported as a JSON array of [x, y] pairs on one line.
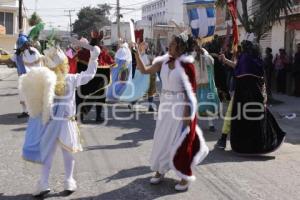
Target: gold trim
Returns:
[[72, 150]]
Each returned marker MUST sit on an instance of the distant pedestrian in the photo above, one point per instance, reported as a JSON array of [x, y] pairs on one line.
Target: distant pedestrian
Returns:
[[268, 68], [296, 71], [281, 62]]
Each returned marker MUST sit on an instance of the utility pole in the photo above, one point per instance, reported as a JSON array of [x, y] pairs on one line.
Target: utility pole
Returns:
[[70, 17], [118, 19], [20, 15], [35, 5]]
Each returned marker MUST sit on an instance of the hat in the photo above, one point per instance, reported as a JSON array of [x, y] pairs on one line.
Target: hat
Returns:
[[22, 40], [54, 56], [124, 53]]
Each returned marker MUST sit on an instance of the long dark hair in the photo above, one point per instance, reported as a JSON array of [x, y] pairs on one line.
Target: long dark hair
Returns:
[[185, 42], [251, 48]]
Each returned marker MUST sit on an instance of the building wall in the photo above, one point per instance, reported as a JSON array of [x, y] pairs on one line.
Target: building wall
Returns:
[[9, 3], [278, 37], [8, 41], [162, 11]]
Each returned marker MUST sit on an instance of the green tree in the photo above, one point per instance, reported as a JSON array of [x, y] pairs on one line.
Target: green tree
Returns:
[[265, 13], [91, 18], [34, 19]]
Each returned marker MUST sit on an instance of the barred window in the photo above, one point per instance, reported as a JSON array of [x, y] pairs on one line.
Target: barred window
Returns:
[[7, 20]]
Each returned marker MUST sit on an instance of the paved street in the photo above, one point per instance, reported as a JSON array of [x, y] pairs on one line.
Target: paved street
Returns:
[[114, 165]]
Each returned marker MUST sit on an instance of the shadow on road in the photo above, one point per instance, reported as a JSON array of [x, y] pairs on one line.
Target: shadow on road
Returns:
[[17, 197], [128, 173], [11, 119], [8, 95], [138, 189], [133, 140], [22, 129], [221, 156]]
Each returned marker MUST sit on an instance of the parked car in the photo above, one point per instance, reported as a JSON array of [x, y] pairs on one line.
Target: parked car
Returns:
[[4, 55]]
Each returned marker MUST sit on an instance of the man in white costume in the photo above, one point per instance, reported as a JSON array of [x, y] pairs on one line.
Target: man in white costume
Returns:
[[49, 93]]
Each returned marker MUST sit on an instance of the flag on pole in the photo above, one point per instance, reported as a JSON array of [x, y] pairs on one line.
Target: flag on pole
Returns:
[[202, 17], [232, 7]]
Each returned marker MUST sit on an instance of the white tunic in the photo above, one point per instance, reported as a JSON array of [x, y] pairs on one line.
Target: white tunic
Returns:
[[169, 123], [64, 110]]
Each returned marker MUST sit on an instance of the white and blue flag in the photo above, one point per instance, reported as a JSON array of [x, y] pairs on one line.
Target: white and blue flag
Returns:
[[202, 19]]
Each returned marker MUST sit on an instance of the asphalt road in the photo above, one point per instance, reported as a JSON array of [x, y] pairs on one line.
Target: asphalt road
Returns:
[[114, 164]]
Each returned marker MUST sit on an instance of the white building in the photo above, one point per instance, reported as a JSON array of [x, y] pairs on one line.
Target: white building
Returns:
[[162, 11], [111, 33], [9, 20]]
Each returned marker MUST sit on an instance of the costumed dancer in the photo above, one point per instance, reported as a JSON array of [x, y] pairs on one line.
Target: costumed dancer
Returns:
[[178, 142], [25, 58], [49, 93], [94, 93], [222, 142], [122, 88], [254, 130], [207, 93]]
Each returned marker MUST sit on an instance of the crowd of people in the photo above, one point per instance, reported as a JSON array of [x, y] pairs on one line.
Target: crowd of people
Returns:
[[58, 86]]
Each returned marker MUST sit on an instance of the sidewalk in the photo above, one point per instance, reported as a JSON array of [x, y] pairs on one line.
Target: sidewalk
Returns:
[[290, 105]]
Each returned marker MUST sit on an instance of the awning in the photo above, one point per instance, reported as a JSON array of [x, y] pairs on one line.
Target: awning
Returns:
[[2, 30]]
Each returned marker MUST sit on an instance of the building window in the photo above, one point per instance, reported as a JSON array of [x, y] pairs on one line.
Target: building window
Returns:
[[7, 20]]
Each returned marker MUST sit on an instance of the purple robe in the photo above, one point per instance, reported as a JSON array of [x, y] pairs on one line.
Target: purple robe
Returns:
[[249, 65]]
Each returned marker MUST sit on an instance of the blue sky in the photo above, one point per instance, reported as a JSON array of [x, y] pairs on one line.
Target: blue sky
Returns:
[[52, 11]]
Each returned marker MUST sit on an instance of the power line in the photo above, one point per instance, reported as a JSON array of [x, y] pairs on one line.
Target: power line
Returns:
[[70, 16]]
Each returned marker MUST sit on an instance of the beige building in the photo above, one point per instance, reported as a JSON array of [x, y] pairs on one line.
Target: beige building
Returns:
[[9, 24]]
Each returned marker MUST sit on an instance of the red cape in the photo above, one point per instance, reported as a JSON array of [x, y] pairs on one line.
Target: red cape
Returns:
[[190, 149]]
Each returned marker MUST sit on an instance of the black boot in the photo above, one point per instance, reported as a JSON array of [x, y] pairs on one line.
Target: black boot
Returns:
[[99, 118], [221, 144], [23, 115]]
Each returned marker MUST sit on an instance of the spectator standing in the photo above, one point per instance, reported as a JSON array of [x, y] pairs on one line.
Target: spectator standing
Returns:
[[281, 61], [268, 68], [296, 71]]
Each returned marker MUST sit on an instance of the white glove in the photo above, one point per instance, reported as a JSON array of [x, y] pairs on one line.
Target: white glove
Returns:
[[95, 53]]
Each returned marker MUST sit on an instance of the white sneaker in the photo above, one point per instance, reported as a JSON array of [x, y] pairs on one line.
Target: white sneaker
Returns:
[[156, 180], [41, 190], [70, 186], [180, 187]]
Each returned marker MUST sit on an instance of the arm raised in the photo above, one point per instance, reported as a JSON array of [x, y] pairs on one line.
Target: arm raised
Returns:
[[146, 69], [85, 76]]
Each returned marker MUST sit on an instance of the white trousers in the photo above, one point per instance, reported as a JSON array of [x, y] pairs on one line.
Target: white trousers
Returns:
[[69, 163]]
